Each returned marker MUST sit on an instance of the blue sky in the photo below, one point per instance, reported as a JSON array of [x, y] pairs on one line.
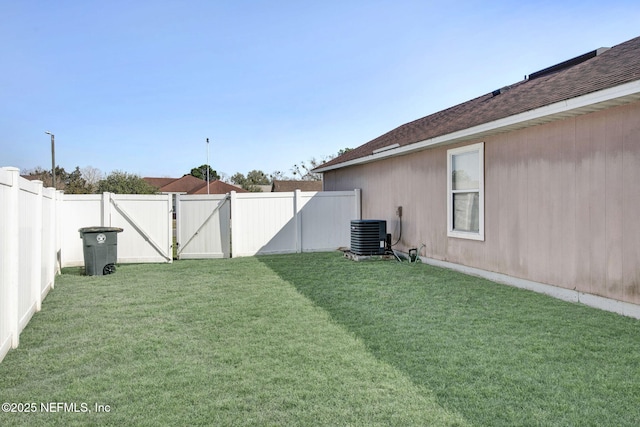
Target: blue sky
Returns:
[[138, 86]]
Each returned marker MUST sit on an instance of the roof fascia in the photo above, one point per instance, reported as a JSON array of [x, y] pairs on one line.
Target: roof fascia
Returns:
[[595, 101]]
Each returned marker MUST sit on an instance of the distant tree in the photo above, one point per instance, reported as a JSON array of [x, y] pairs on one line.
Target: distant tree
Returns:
[[201, 172], [343, 151], [75, 184], [251, 182], [70, 183], [257, 177], [303, 170], [224, 177], [125, 183], [44, 175], [277, 176], [238, 178], [39, 174], [92, 176]]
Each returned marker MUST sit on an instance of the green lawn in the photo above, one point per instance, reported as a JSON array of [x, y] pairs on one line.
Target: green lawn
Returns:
[[315, 339]]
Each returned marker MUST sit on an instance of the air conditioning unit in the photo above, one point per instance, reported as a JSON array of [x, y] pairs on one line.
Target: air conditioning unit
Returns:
[[368, 236]]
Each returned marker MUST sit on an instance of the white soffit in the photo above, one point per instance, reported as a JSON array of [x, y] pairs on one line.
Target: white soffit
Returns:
[[596, 101]]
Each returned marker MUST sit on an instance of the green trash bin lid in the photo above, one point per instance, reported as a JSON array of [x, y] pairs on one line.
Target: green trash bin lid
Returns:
[[100, 229]]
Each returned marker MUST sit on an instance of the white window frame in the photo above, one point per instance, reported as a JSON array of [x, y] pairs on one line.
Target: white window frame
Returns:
[[479, 147]]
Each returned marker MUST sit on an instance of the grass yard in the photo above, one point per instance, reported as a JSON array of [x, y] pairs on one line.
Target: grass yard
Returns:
[[315, 339]]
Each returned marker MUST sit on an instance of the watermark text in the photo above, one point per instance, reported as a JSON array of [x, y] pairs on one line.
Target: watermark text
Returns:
[[54, 407]]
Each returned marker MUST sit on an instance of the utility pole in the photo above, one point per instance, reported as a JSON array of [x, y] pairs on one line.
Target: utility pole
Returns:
[[208, 167], [53, 158]]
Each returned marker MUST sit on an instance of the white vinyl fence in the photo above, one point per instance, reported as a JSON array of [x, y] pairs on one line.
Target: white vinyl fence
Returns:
[[245, 224], [29, 250], [39, 233], [145, 219]]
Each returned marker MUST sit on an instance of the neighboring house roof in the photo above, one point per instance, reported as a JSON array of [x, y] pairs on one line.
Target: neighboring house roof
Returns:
[[158, 182], [594, 81], [187, 184], [219, 187], [279, 186]]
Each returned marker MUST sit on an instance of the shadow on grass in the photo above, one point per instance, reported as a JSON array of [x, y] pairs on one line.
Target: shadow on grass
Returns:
[[495, 354]]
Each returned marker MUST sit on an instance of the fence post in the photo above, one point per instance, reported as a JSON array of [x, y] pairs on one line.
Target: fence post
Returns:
[[358, 203], [10, 257], [297, 218], [234, 228], [58, 239], [36, 256], [54, 236], [106, 210], [172, 212], [178, 223], [49, 238]]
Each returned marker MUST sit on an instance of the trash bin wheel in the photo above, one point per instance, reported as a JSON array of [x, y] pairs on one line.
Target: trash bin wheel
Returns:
[[109, 269]]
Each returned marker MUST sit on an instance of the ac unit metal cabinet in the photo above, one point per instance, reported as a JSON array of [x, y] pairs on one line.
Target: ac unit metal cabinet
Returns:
[[368, 236]]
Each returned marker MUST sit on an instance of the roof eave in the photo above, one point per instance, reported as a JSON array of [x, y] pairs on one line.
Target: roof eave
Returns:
[[595, 101]]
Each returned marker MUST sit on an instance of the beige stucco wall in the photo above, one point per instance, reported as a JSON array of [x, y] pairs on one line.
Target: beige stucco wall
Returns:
[[562, 203]]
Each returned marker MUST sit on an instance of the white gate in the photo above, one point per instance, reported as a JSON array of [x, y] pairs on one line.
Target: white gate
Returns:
[[246, 224], [203, 226], [146, 220]]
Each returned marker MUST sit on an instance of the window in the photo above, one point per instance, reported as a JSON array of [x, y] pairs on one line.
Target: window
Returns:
[[465, 192]]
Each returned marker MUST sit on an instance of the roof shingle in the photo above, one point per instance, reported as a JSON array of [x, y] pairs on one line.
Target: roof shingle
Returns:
[[219, 187], [187, 184]]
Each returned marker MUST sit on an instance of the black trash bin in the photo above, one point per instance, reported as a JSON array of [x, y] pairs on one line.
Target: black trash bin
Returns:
[[100, 247]]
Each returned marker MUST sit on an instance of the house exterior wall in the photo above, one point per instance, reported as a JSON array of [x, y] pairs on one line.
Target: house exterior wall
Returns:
[[561, 203]]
